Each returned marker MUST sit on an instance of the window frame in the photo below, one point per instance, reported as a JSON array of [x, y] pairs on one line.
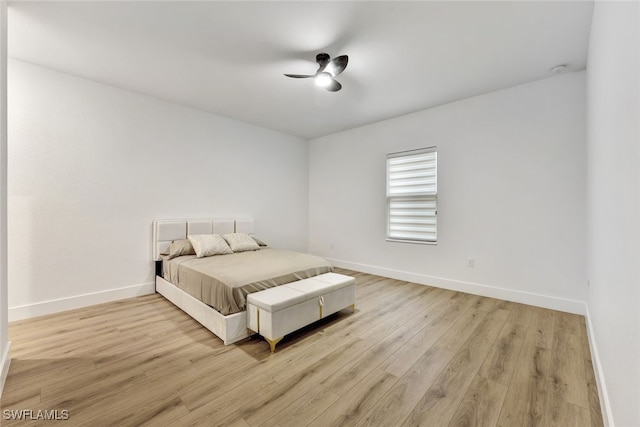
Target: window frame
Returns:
[[427, 196]]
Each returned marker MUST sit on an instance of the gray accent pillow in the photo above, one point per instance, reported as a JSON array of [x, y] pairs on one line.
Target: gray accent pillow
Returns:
[[240, 242], [209, 244], [179, 248]]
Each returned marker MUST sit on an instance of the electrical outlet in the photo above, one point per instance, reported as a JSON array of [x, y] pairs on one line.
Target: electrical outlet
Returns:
[[471, 262]]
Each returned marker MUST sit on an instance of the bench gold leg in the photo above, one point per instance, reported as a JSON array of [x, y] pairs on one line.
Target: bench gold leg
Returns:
[[353, 308], [272, 343]]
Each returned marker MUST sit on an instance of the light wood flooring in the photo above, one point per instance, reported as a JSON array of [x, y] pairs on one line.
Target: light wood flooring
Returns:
[[409, 355]]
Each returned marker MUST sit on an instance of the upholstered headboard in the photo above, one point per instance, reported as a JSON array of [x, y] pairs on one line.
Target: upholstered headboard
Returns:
[[165, 231]]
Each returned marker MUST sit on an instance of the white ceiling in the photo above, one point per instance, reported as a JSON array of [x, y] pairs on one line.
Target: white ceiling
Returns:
[[229, 57]]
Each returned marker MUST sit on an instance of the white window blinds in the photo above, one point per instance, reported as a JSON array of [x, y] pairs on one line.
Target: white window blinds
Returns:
[[412, 190]]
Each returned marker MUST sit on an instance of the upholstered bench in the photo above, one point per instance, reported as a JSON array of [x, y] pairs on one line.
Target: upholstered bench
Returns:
[[278, 311]]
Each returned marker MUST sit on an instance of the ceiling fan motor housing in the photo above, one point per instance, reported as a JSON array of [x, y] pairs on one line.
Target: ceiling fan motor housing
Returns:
[[322, 58]]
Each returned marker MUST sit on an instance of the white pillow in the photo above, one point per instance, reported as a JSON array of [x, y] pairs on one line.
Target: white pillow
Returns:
[[240, 242], [209, 244]]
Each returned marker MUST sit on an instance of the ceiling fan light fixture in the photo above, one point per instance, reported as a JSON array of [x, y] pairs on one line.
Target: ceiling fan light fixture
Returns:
[[323, 79], [327, 69]]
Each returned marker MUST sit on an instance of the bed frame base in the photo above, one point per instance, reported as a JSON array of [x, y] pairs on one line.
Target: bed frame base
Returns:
[[229, 329]]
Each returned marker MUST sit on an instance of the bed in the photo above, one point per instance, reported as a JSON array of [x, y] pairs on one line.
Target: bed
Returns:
[[213, 289]]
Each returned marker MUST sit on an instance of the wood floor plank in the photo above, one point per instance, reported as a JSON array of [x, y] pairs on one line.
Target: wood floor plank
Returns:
[[502, 359], [220, 379], [398, 403], [33, 373], [439, 403], [341, 348], [220, 407], [446, 314], [360, 399], [526, 396], [410, 353], [567, 370], [481, 404], [461, 329], [309, 406], [521, 314], [419, 306], [569, 323], [564, 414], [259, 408], [22, 397], [400, 400], [340, 381]]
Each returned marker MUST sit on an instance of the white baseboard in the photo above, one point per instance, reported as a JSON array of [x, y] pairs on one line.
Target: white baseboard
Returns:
[[538, 300], [4, 366], [605, 405], [78, 301]]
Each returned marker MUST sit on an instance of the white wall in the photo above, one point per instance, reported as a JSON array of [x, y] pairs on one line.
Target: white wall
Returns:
[[91, 166], [5, 345], [614, 206], [512, 173]]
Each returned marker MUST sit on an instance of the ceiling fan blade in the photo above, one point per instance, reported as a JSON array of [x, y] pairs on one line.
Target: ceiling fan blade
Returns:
[[334, 86], [300, 76], [337, 65]]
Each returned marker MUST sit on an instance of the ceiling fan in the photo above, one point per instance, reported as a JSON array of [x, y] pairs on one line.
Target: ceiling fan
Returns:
[[327, 69]]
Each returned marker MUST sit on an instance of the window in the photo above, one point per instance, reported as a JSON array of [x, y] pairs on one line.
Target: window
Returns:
[[412, 196]]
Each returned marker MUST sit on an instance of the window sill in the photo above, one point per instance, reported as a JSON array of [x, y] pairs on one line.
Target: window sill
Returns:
[[417, 242]]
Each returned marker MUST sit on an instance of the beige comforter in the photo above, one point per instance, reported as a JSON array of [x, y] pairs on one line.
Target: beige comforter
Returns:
[[223, 281]]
